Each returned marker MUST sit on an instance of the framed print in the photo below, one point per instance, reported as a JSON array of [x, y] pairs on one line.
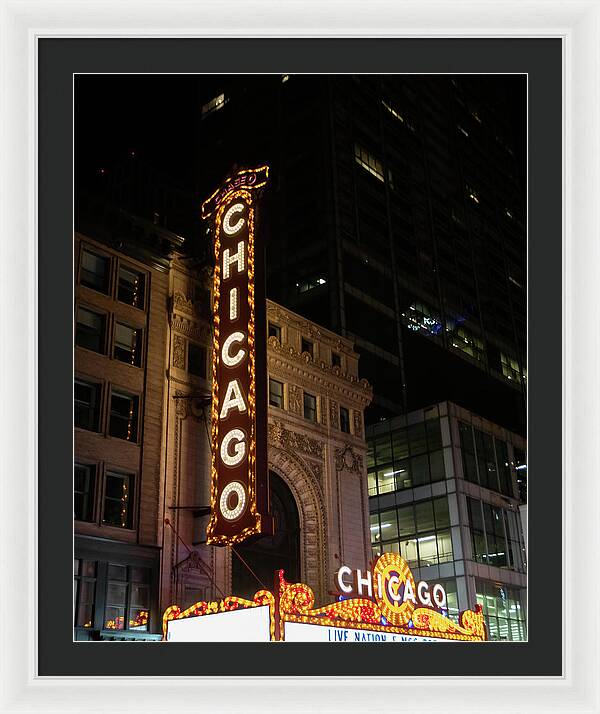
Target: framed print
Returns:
[[244, 486]]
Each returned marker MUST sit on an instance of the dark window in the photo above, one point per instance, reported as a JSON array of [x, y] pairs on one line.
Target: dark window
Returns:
[[196, 360], [344, 420], [336, 360], [132, 286], [127, 598], [123, 416], [274, 331], [128, 344], [118, 499], [87, 405], [275, 393], [307, 346], [89, 332], [84, 575], [83, 496], [310, 407], [95, 271]]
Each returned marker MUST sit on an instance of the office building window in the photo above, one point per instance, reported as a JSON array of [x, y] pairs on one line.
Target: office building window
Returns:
[[495, 536], [127, 598], [485, 460], [521, 469], [420, 532], [83, 492], [369, 162], [196, 360], [214, 105], [87, 405], [274, 331], [118, 499], [94, 271], [131, 288], [310, 407], [408, 457], [310, 283], [510, 368], [128, 344], [275, 393], [344, 420], [124, 416], [336, 360], [89, 330], [307, 346], [84, 585], [503, 609]]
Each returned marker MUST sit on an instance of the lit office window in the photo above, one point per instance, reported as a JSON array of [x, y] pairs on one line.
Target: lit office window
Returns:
[[118, 497], [369, 162], [495, 536], [94, 271], [464, 340], [127, 598], [128, 344], [131, 287], [214, 104], [310, 407], [275, 393], [310, 283], [89, 330], [503, 609], [124, 416], [510, 368]]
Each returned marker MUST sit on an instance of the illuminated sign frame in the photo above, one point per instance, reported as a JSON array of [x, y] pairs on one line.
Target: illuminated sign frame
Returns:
[[294, 603], [239, 473]]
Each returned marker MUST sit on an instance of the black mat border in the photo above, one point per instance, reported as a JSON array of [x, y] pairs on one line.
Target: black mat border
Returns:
[[58, 60]]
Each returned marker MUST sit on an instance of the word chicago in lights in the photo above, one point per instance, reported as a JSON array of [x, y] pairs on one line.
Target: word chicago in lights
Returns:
[[239, 475], [383, 605]]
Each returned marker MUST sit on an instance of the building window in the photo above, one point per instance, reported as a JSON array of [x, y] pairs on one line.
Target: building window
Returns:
[[89, 330], [118, 499], [128, 344], [485, 460], [124, 416], [196, 360], [127, 598], [420, 532], [306, 346], [94, 271], [274, 331], [503, 609], [310, 407], [495, 536], [84, 576], [393, 111], [368, 162], [275, 393], [521, 469], [131, 289], [87, 405], [344, 420], [83, 492], [510, 368], [217, 103], [310, 283], [336, 360]]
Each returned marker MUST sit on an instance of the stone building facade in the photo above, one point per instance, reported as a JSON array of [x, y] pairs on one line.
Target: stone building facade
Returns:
[[142, 443]]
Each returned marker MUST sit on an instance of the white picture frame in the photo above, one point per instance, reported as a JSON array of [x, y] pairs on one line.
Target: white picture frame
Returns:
[[578, 23]]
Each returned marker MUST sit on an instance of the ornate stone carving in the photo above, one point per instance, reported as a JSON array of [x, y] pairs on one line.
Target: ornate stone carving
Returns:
[[334, 418], [200, 331], [179, 352], [294, 399], [279, 436], [358, 424], [346, 459], [181, 303], [181, 404]]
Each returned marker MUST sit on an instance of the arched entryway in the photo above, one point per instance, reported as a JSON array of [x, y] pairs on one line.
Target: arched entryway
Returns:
[[267, 554]]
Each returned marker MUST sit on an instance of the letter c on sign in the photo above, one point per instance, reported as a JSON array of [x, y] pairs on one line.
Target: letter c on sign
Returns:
[[233, 360], [229, 228], [344, 570]]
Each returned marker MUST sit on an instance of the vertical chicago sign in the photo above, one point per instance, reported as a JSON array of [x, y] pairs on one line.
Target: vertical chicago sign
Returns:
[[239, 474]]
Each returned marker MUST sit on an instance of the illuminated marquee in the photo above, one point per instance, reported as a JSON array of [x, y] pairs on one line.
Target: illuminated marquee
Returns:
[[390, 607], [239, 479]]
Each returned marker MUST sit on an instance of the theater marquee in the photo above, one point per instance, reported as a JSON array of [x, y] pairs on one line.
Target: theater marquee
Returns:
[[239, 479]]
